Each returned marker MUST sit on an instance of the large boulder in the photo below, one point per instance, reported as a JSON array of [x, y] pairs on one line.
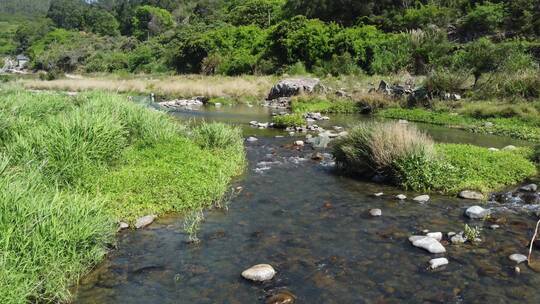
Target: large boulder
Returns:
[[293, 86]]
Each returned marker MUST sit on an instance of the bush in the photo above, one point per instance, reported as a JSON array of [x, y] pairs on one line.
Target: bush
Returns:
[[372, 149], [483, 18], [218, 136], [442, 81], [519, 85], [536, 154], [338, 65], [289, 120]]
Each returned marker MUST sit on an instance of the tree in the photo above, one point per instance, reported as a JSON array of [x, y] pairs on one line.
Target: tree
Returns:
[[263, 13], [101, 22], [149, 21], [485, 18], [67, 14]]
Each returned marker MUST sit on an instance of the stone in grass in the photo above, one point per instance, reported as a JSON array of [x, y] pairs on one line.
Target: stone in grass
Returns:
[[375, 212], [401, 197], [259, 273], [436, 263], [518, 258], [428, 243], [144, 221], [477, 212], [471, 195], [123, 226], [421, 198]]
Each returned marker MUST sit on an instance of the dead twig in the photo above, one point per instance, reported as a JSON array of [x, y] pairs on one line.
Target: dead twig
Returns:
[[532, 241]]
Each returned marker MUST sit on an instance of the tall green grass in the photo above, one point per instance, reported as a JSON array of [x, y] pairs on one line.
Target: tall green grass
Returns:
[[72, 166]]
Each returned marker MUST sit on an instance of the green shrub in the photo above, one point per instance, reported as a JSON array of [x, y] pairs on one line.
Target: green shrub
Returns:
[[442, 81], [484, 18], [289, 120], [218, 136], [338, 65], [304, 104], [296, 69], [536, 154]]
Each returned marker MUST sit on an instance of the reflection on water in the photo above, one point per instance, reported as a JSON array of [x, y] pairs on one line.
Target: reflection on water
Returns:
[[313, 226]]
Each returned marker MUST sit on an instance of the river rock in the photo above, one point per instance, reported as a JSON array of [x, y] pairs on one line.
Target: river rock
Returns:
[[518, 258], [282, 297], [299, 143], [477, 212], [259, 273], [421, 198], [251, 139], [529, 188], [123, 226], [144, 221], [375, 212], [293, 86], [428, 243], [378, 194], [435, 235], [436, 263], [471, 195], [458, 239], [401, 197]]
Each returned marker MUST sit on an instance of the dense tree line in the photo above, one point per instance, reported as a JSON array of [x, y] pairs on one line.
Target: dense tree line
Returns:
[[272, 36]]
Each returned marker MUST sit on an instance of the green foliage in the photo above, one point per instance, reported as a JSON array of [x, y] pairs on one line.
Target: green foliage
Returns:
[[471, 233], [78, 164], [536, 154], [484, 18], [218, 136], [408, 159], [338, 65], [515, 127], [426, 15], [444, 80], [263, 13], [149, 21], [391, 55], [289, 120]]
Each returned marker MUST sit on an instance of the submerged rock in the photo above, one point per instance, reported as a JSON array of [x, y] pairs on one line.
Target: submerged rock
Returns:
[[378, 194], [477, 212], [471, 195], [375, 212], [421, 198], [518, 258], [282, 297], [259, 273], [144, 221], [436, 263], [428, 243]]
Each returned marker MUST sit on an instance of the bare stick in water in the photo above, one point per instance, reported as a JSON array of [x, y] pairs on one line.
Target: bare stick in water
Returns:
[[532, 241]]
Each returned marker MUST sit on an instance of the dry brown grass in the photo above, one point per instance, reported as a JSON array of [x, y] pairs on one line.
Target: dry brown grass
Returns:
[[177, 86]]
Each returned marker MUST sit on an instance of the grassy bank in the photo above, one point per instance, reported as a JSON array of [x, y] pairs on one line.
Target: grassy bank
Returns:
[[516, 127], [71, 167], [409, 158]]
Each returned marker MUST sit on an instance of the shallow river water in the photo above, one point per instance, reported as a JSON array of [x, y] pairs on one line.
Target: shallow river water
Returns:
[[314, 227]]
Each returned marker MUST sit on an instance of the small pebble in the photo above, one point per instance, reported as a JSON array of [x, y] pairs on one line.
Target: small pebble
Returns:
[[401, 197], [495, 226], [299, 143], [436, 263], [421, 198], [378, 194], [517, 269]]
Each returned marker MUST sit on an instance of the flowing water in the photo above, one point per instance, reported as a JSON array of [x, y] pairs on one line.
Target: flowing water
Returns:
[[314, 227]]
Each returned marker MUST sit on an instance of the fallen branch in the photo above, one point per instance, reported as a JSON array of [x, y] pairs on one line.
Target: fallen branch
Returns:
[[532, 241]]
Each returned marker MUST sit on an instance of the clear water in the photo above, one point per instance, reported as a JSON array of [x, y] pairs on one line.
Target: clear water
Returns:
[[313, 226]]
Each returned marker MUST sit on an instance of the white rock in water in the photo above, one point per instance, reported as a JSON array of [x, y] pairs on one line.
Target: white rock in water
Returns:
[[375, 212], [378, 194], [477, 212], [435, 235], [494, 226], [401, 197], [427, 243], [299, 143], [518, 258], [421, 198], [472, 195], [251, 139], [144, 221], [436, 263], [458, 239], [259, 273]]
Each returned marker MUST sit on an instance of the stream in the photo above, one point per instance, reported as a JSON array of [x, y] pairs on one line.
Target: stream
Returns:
[[313, 226]]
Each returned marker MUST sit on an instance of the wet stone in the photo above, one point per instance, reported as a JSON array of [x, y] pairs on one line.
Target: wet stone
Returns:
[[477, 212], [435, 235], [259, 273], [518, 258], [458, 239], [375, 212], [401, 197], [282, 297], [421, 198], [378, 194], [471, 195], [427, 243], [436, 263], [144, 221], [251, 139]]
